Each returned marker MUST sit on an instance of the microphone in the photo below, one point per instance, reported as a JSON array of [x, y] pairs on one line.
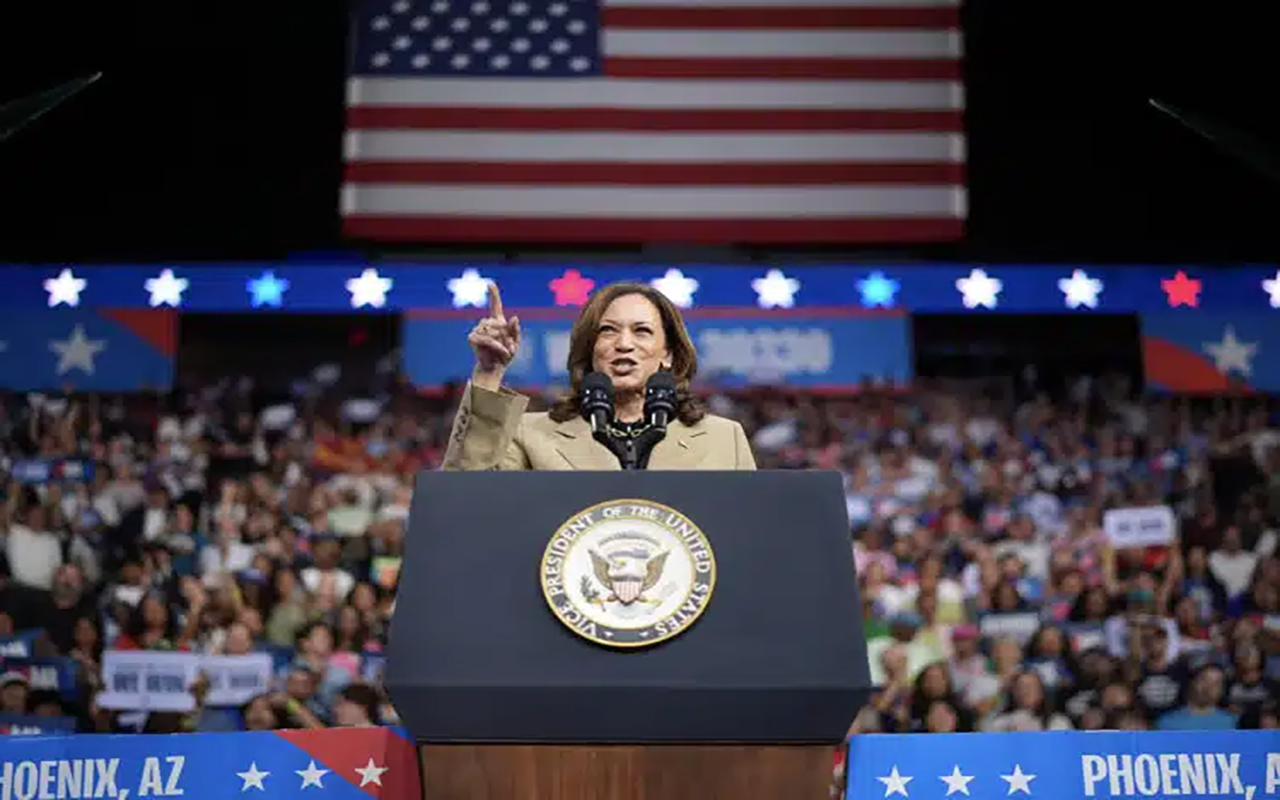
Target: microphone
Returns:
[[660, 399], [597, 400]]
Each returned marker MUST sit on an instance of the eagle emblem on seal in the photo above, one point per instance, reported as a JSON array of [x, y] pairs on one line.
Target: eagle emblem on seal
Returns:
[[628, 574]]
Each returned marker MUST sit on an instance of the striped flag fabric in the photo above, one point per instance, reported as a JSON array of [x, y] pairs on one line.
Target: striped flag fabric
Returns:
[[627, 121]]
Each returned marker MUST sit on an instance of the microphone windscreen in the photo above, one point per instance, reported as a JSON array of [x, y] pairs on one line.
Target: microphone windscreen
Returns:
[[594, 382], [662, 380]]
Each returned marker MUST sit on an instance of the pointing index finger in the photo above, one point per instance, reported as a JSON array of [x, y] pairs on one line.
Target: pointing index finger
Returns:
[[495, 302]]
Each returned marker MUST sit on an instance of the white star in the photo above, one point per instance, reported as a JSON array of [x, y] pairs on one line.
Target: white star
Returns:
[[1080, 289], [895, 783], [77, 352], [1232, 354], [470, 290], [1272, 287], [252, 778], [979, 289], [371, 773], [956, 782], [775, 290], [312, 774], [370, 289], [166, 289], [678, 287], [65, 288], [1019, 781]]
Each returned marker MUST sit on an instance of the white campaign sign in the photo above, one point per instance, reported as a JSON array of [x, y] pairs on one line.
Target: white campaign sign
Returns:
[[1141, 526], [143, 680]]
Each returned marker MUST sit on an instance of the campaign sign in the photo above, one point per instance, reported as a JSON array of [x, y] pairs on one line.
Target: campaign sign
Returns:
[[20, 645], [338, 764], [53, 674], [816, 350], [1066, 766], [150, 681], [83, 350], [13, 725], [39, 471]]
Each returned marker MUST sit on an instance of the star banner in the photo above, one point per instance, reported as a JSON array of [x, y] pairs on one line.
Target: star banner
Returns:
[[829, 349], [1209, 353], [1064, 765], [335, 764], [87, 349]]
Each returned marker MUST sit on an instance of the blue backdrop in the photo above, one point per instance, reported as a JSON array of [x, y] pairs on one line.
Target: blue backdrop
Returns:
[[812, 350]]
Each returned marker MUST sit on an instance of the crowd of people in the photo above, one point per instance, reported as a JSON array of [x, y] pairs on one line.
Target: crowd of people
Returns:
[[224, 522]]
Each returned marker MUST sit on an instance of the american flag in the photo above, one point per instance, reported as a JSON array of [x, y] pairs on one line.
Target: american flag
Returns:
[[697, 121]]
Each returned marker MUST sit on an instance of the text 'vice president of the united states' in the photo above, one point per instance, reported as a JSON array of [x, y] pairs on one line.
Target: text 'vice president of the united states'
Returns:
[[629, 404]]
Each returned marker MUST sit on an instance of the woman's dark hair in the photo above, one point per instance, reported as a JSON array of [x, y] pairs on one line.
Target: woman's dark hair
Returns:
[[582, 342], [138, 621], [365, 696]]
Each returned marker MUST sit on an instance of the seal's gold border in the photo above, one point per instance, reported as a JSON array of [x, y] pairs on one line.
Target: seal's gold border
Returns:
[[711, 587]]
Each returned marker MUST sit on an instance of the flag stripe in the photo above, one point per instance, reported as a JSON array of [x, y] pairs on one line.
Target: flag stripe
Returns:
[[648, 202], [634, 119], [780, 44], [749, 5], [614, 174], [777, 68], [779, 18], [641, 148], [656, 94], [428, 227]]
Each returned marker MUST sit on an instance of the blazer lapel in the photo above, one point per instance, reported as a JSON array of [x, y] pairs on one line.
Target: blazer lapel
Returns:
[[682, 448], [575, 445]]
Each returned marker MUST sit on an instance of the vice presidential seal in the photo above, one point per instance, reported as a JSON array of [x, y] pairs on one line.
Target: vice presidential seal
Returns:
[[628, 573]]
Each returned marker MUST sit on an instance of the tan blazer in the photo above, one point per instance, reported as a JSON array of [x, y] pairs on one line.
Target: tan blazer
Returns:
[[493, 431]]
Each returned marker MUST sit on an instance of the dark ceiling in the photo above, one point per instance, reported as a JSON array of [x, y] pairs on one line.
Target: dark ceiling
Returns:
[[214, 131]]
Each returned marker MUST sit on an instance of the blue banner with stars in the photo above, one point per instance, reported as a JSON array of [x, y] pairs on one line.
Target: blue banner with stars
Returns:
[[337, 764], [80, 349], [1211, 353], [1065, 765], [306, 286]]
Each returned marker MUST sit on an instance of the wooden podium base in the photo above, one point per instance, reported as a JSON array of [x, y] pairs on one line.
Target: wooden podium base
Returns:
[[626, 772]]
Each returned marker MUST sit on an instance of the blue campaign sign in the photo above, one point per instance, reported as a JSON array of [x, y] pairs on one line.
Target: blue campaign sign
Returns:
[[81, 349], [816, 350], [54, 673], [1065, 766], [310, 286], [350, 764], [1211, 353], [13, 725]]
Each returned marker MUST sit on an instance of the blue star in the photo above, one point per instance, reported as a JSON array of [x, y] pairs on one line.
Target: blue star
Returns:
[[877, 290], [267, 290]]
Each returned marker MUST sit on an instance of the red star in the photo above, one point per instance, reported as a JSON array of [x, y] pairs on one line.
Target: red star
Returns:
[[1182, 291], [571, 289]]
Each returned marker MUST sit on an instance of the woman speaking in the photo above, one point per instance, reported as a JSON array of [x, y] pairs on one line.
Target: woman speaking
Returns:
[[629, 405]]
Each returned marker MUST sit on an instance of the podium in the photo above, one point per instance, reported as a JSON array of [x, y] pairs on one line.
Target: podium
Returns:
[[627, 635]]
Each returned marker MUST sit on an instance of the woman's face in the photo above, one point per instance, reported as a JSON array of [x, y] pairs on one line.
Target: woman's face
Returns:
[[1050, 645], [86, 634], [631, 344], [259, 715], [934, 682], [941, 718], [153, 613], [1027, 692]]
